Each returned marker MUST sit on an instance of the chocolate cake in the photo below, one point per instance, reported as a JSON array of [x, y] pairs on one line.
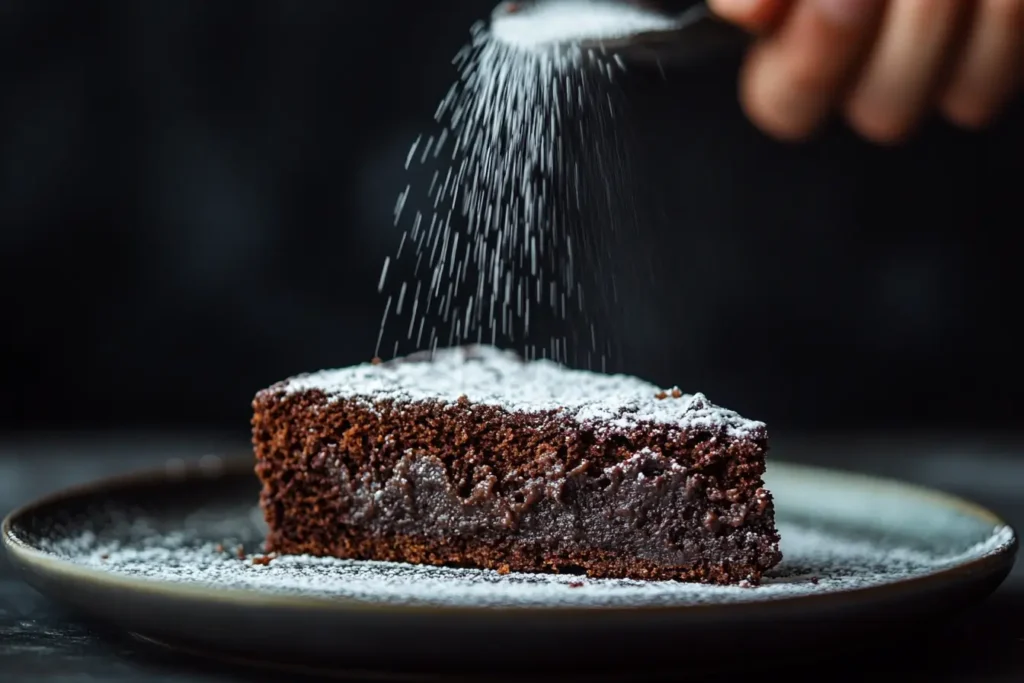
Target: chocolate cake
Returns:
[[475, 458]]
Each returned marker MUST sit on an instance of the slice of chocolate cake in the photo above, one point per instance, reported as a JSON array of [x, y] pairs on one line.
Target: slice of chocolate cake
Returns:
[[476, 458]]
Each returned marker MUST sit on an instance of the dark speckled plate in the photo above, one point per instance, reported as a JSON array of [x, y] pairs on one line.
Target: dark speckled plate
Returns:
[[174, 557]]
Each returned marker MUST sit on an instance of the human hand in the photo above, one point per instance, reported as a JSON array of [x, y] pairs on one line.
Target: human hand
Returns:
[[882, 64]]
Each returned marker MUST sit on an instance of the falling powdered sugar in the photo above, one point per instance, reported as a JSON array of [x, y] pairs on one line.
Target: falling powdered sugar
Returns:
[[523, 181], [816, 562]]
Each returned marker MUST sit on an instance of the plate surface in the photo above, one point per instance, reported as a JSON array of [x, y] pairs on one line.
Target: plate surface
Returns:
[[175, 556]]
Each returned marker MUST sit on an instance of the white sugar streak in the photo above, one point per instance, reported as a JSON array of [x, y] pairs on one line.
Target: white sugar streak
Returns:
[[492, 239], [815, 563], [487, 375]]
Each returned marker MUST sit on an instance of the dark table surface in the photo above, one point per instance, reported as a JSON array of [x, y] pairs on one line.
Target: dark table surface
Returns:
[[41, 642]]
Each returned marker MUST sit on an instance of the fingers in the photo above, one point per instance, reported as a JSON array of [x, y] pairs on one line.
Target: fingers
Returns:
[[884, 63], [793, 78], [990, 66], [899, 81]]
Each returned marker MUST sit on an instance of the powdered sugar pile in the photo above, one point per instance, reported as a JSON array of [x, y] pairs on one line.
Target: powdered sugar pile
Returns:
[[487, 375], [537, 25], [816, 562]]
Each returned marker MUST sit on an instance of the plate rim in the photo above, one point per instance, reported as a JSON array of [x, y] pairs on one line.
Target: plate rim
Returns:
[[27, 558]]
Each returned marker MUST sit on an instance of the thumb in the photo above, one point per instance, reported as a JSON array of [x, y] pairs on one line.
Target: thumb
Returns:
[[756, 16]]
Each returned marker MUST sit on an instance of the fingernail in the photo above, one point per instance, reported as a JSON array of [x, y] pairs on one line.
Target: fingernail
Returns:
[[848, 11]]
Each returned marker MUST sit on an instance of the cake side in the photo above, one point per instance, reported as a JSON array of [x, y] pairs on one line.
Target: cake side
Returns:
[[440, 482]]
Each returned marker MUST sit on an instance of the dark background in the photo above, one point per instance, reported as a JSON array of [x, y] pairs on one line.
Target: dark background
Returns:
[[196, 199]]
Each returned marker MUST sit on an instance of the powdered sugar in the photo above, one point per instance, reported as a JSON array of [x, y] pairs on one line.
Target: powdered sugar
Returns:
[[487, 375], [816, 562], [556, 22]]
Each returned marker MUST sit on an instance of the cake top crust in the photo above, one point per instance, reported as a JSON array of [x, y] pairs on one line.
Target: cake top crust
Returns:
[[494, 377]]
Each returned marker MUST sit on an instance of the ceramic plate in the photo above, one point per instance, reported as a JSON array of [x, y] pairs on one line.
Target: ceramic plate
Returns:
[[175, 556]]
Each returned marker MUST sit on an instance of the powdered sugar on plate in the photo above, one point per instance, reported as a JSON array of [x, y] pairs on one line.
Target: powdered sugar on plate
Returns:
[[487, 375], [816, 562]]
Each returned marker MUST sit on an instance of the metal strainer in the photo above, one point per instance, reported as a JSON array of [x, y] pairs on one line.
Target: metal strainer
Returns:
[[634, 30]]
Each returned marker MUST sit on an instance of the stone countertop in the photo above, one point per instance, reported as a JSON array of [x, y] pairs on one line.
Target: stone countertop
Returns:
[[40, 642]]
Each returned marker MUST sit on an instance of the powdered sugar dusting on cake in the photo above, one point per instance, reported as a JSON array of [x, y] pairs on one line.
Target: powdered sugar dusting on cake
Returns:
[[490, 376], [817, 562]]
